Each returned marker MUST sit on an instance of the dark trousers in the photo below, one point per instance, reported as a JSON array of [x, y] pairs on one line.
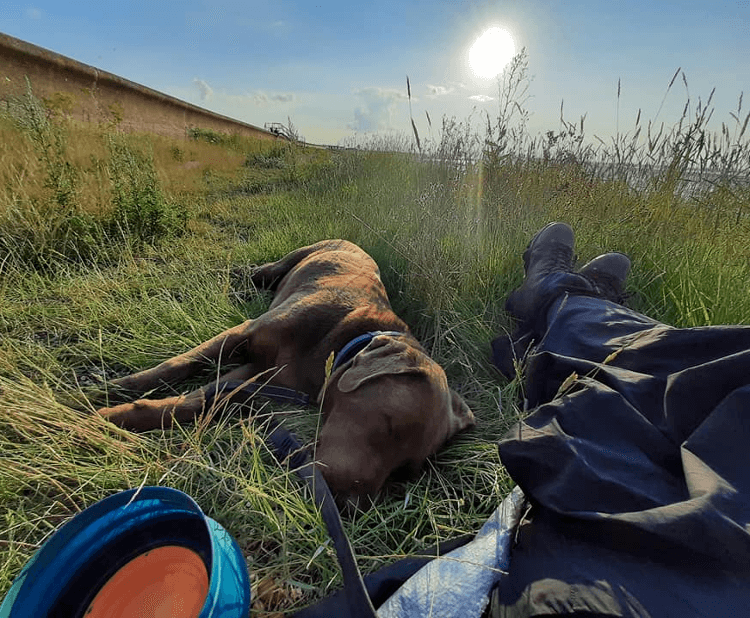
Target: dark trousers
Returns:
[[636, 459]]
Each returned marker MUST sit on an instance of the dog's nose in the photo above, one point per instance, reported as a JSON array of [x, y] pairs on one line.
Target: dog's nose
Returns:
[[350, 504], [351, 494]]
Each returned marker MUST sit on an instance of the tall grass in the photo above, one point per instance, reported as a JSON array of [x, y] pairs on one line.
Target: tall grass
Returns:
[[131, 286]]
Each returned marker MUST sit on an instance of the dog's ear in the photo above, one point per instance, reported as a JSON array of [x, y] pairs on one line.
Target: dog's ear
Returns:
[[382, 356], [462, 417]]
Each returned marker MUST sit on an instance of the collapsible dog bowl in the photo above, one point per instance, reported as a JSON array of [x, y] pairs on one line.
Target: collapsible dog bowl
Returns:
[[147, 553]]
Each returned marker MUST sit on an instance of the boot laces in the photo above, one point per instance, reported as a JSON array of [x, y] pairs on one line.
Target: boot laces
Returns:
[[555, 257], [607, 286]]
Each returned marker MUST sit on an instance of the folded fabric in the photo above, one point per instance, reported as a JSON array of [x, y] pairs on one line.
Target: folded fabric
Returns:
[[459, 583]]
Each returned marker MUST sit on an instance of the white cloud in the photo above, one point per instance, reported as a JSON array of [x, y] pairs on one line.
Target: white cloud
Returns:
[[257, 98], [205, 90], [33, 13], [377, 109], [284, 97], [481, 98], [441, 90], [261, 99], [438, 91]]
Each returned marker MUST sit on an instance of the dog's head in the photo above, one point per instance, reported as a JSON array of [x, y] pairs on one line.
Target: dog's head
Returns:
[[388, 408]]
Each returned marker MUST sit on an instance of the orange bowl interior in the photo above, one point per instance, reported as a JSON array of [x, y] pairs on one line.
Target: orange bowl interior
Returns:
[[165, 582]]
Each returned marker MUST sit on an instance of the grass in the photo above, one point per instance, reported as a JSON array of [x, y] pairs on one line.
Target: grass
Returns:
[[116, 253]]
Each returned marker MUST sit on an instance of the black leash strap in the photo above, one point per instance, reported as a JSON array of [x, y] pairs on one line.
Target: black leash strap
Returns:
[[287, 447], [277, 393]]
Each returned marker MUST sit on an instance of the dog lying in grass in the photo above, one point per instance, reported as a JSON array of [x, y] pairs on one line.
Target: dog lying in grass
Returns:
[[386, 406]]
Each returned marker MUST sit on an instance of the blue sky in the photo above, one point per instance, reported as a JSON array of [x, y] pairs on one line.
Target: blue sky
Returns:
[[339, 68]]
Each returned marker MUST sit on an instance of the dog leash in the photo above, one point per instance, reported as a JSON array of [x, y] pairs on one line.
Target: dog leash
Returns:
[[286, 447], [280, 394]]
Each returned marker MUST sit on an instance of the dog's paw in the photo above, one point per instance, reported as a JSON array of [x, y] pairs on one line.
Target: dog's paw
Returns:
[[119, 414], [137, 416], [147, 414]]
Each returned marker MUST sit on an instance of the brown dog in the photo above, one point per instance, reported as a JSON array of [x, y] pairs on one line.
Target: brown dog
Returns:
[[387, 407]]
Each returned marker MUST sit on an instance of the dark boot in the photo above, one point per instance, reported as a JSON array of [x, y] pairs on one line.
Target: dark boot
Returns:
[[548, 262], [607, 273]]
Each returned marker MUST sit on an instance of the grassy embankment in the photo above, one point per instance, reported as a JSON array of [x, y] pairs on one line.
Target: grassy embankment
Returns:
[[116, 251]]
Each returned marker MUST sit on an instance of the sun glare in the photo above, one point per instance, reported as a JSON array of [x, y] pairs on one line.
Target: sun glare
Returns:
[[491, 52]]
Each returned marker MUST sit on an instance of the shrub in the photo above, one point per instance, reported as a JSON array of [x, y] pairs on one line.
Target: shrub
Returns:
[[233, 141], [48, 136], [142, 214]]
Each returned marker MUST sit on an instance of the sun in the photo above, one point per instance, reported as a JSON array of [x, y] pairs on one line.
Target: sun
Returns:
[[491, 52]]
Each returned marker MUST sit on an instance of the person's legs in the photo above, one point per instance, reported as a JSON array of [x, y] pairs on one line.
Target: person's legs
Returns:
[[549, 276], [632, 456]]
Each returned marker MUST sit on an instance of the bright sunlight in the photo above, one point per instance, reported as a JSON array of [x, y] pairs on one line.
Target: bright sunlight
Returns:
[[491, 52]]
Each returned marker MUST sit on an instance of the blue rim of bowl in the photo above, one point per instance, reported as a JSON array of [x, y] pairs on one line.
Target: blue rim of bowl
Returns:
[[149, 514]]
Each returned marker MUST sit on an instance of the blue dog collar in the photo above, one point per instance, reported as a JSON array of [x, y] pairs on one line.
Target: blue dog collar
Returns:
[[356, 345]]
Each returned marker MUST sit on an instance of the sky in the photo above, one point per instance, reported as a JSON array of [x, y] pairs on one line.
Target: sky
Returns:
[[338, 70]]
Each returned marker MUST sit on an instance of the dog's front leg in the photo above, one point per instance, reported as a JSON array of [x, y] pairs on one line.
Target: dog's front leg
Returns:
[[146, 414], [226, 347]]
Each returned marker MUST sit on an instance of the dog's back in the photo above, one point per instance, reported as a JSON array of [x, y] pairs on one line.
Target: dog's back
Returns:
[[335, 264], [325, 295]]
